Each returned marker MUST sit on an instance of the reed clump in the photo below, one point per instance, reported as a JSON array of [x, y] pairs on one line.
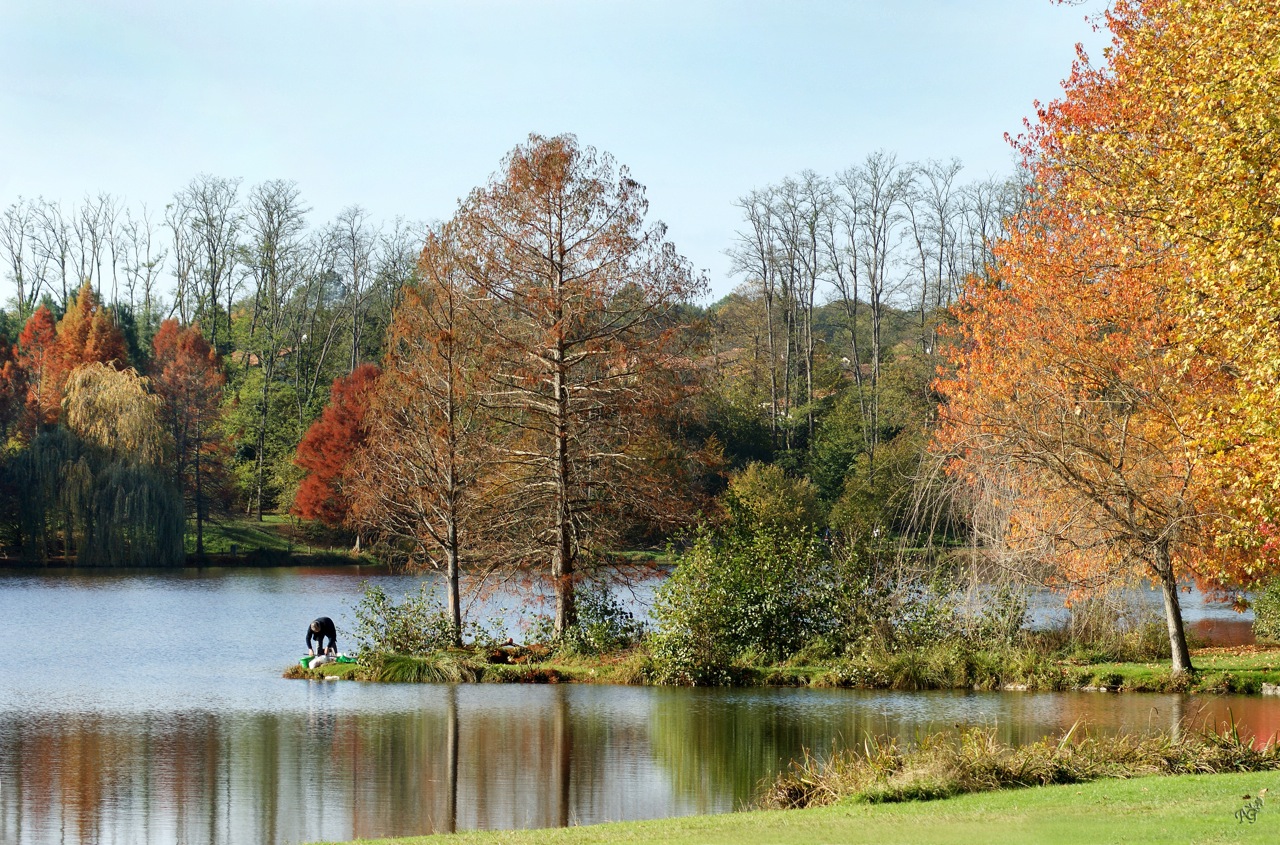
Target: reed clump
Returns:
[[439, 667], [942, 765]]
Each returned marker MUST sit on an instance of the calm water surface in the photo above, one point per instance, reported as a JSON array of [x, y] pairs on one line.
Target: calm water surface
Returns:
[[144, 708]]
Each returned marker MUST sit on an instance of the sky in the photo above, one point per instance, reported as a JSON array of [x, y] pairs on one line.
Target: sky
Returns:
[[404, 106]]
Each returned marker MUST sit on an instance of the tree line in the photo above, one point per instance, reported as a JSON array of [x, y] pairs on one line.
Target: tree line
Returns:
[[1068, 373], [284, 306], [529, 383]]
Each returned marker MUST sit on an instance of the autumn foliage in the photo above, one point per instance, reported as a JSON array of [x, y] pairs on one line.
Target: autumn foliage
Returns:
[[328, 446], [186, 373], [1103, 399], [40, 361], [577, 294], [47, 351], [1177, 136]]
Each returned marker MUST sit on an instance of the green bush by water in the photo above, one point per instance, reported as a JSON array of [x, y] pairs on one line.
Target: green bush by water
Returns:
[[760, 589], [603, 626], [1266, 612]]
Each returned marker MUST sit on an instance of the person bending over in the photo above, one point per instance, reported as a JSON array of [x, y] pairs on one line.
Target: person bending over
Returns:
[[319, 630]]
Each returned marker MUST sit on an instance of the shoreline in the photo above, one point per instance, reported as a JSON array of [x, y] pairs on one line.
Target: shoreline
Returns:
[[1239, 670], [256, 559]]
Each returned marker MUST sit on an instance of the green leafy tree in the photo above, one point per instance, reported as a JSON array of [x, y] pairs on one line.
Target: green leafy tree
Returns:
[[764, 590]]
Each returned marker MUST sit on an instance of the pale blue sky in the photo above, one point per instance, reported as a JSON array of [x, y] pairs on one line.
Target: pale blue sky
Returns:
[[404, 106]]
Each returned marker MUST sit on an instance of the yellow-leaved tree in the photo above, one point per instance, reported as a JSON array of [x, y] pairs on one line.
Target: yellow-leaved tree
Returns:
[[1116, 383], [95, 489], [115, 411], [1178, 134]]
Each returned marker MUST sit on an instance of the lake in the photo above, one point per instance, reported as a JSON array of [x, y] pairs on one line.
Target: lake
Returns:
[[149, 708]]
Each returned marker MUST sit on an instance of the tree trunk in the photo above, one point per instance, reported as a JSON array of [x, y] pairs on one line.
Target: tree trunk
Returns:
[[262, 438], [1181, 655], [455, 605], [451, 753], [562, 554], [562, 738], [199, 495]]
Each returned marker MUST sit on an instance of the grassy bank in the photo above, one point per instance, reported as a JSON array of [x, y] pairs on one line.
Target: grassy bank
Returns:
[[1241, 669], [1143, 811], [278, 540]]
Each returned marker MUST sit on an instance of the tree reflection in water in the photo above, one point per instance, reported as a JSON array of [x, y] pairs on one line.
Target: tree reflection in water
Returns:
[[456, 758]]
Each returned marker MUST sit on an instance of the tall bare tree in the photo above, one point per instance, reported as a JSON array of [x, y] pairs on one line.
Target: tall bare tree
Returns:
[[932, 212], [142, 262], [53, 246], [353, 242], [17, 235], [755, 255], [276, 220], [206, 223]]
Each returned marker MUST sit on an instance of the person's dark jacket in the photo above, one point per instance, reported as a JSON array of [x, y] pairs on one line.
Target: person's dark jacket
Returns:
[[325, 624]]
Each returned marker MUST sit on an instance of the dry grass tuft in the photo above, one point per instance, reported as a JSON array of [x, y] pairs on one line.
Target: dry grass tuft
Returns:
[[946, 764]]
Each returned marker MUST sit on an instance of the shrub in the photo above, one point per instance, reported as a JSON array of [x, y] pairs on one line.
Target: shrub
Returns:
[[1266, 612], [766, 497], [603, 625], [417, 625], [1003, 618], [739, 589]]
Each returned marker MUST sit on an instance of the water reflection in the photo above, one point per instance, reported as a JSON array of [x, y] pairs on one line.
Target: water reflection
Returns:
[[484, 757], [141, 741]]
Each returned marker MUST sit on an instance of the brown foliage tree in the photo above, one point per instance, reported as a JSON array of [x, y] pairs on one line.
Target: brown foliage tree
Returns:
[[421, 476], [577, 295], [187, 375], [48, 353], [39, 358], [87, 334], [13, 388]]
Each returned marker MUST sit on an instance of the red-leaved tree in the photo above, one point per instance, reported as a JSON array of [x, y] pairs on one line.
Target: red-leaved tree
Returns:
[[327, 447], [13, 388], [39, 359]]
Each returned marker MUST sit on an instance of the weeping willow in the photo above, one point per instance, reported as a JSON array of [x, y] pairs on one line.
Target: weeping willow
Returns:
[[80, 504]]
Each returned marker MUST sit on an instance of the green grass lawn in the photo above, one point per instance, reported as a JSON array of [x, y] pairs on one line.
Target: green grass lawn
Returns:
[[240, 534], [1185, 809], [1217, 671]]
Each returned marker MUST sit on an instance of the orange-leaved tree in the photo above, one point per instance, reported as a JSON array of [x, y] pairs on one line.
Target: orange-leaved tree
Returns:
[[39, 358], [186, 373], [13, 388], [1075, 392], [1177, 133], [48, 352], [1066, 397], [326, 450], [87, 334]]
